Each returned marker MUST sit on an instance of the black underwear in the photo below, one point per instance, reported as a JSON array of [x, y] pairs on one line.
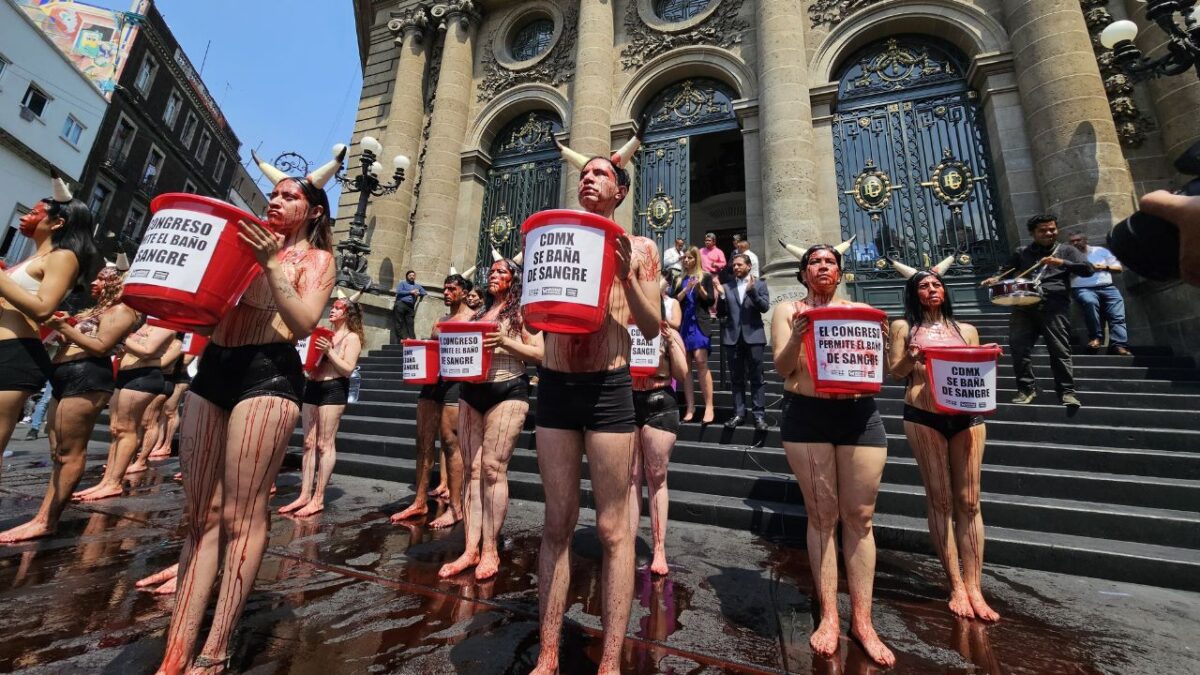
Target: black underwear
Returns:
[[946, 425], [82, 376], [168, 384], [838, 421], [24, 365], [229, 375], [656, 408], [148, 379], [600, 401], [327, 392], [483, 396], [441, 393]]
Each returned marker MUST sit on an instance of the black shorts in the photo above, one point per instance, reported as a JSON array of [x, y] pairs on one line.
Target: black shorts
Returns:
[[946, 425], [148, 379], [180, 376], [327, 392], [82, 376], [656, 408], [24, 365], [600, 401], [483, 396], [229, 375], [840, 421], [441, 393]]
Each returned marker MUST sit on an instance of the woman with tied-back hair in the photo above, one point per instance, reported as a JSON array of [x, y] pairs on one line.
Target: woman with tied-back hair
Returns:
[[325, 396], [60, 227], [240, 412], [81, 384], [837, 447], [696, 294], [948, 448], [491, 415]]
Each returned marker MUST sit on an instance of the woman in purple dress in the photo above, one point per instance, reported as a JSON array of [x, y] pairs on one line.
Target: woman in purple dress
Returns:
[[695, 295]]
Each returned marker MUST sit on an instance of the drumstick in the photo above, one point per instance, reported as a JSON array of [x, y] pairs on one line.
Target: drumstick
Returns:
[[1004, 274], [1036, 265]]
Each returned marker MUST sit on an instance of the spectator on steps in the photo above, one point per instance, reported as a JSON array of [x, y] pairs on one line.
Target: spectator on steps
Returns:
[[744, 300], [408, 295], [1100, 298], [696, 294], [742, 244]]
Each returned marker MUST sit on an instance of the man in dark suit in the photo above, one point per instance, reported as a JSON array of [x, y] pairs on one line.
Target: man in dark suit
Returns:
[[744, 300]]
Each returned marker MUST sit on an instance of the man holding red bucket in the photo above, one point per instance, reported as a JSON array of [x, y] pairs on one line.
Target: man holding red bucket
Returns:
[[585, 404]]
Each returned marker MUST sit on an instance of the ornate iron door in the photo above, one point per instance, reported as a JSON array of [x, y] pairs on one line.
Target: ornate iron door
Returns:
[[912, 165], [662, 192]]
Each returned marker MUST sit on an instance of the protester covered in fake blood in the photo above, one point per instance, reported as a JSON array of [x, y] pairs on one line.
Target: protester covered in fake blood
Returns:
[[325, 396], [948, 448], [837, 447], [152, 418], [240, 412], [437, 415], [177, 382], [60, 227], [585, 404], [81, 384], [491, 415]]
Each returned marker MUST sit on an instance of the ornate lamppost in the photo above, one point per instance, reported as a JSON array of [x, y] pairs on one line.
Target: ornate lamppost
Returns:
[[1179, 19], [354, 249]]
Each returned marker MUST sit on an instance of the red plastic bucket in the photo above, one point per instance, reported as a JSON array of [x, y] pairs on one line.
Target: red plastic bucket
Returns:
[[312, 355], [190, 268], [844, 346], [171, 325], [963, 379], [194, 344], [569, 265], [420, 361], [643, 353], [461, 356]]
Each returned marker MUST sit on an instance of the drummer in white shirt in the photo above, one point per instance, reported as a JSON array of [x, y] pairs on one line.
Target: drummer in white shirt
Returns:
[[1101, 299]]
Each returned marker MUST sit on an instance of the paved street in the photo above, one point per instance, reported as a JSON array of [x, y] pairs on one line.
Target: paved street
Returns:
[[347, 592]]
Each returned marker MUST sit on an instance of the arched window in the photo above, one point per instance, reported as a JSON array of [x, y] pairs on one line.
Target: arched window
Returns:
[[678, 10], [532, 39]]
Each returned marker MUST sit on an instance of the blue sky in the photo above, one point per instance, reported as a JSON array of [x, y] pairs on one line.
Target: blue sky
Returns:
[[260, 51]]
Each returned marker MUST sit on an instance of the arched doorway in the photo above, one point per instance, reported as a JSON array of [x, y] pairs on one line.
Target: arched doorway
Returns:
[[913, 175], [524, 178], [691, 168]]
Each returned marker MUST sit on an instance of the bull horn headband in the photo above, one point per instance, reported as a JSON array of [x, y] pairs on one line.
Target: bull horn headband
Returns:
[[619, 158], [341, 295], [517, 259], [939, 269], [799, 252], [59, 191], [318, 177]]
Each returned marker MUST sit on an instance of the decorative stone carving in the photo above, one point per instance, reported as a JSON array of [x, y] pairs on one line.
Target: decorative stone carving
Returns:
[[556, 68], [722, 28], [1131, 124], [465, 12], [832, 12], [415, 19]]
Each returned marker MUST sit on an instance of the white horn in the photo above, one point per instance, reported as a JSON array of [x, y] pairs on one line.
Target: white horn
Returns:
[[273, 174], [122, 262], [496, 255], [904, 270], [944, 266], [453, 271], [328, 170], [793, 249], [845, 245], [621, 157], [357, 296], [519, 259], [575, 159], [59, 190], [341, 295]]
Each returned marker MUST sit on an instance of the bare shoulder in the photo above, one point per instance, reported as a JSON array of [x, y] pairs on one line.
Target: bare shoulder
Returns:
[[969, 332], [901, 326]]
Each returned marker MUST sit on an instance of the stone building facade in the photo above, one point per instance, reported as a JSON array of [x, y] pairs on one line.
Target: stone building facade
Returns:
[[925, 128]]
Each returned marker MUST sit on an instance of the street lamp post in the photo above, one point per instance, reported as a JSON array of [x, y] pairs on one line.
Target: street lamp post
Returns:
[[354, 249], [1179, 19]]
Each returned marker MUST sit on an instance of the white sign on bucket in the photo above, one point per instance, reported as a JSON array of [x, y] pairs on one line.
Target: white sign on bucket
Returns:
[[302, 347], [643, 353], [968, 387], [460, 354], [848, 350], [563, 264], [415, 362], [176, 249]]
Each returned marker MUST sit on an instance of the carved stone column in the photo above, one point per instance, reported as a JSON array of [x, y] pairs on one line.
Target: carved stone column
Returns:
[[402, 136], [1078, 160], [592, 90], [789, 191], [433, 236]]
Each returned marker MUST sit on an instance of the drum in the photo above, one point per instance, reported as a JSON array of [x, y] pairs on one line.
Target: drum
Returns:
[[1019, 292]]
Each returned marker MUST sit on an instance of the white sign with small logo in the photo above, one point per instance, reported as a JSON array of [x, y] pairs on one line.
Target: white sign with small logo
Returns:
[[460, 355], [563, 263], [176, 250]]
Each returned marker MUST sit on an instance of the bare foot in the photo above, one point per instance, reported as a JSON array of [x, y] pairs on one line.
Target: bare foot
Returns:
[[659, 564], [178, 476], [489, 565], [161, 454], [167, 588], [159, 577], [960, 604], [982, 609], [873, 646], [31, 530], [440, 492], [86, 491], [689, 415], [273, 489], [447, 519], [136, 467], [300, 502], [102, 491], [314, 507], [709, 416], [824, 639], [547, 663], [417, 510], [453, 569]]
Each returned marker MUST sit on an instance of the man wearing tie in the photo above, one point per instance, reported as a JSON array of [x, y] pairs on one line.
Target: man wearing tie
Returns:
[[744, 300]]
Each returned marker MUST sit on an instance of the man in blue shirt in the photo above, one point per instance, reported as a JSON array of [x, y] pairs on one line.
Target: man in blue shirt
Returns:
[[408, 294], [1100, 299]]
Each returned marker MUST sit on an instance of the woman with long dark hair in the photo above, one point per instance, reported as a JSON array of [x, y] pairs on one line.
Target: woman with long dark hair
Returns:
[[240, 413], [325, 396], [491, 415], [837, 447], [948, 448], [61, 230], [81, 383], [695, 295]]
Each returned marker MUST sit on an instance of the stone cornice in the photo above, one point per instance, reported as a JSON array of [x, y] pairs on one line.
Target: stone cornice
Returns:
[[412, 20], [466, 13]]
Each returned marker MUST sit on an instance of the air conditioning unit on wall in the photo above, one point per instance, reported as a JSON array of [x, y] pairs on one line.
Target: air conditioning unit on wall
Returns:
[[27, 114]]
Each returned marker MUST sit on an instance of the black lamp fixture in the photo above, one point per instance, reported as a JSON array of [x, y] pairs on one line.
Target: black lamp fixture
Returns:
[[354, 249], [1179, 19]]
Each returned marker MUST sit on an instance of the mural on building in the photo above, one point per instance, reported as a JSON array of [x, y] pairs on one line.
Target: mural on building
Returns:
[[95, 39]]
